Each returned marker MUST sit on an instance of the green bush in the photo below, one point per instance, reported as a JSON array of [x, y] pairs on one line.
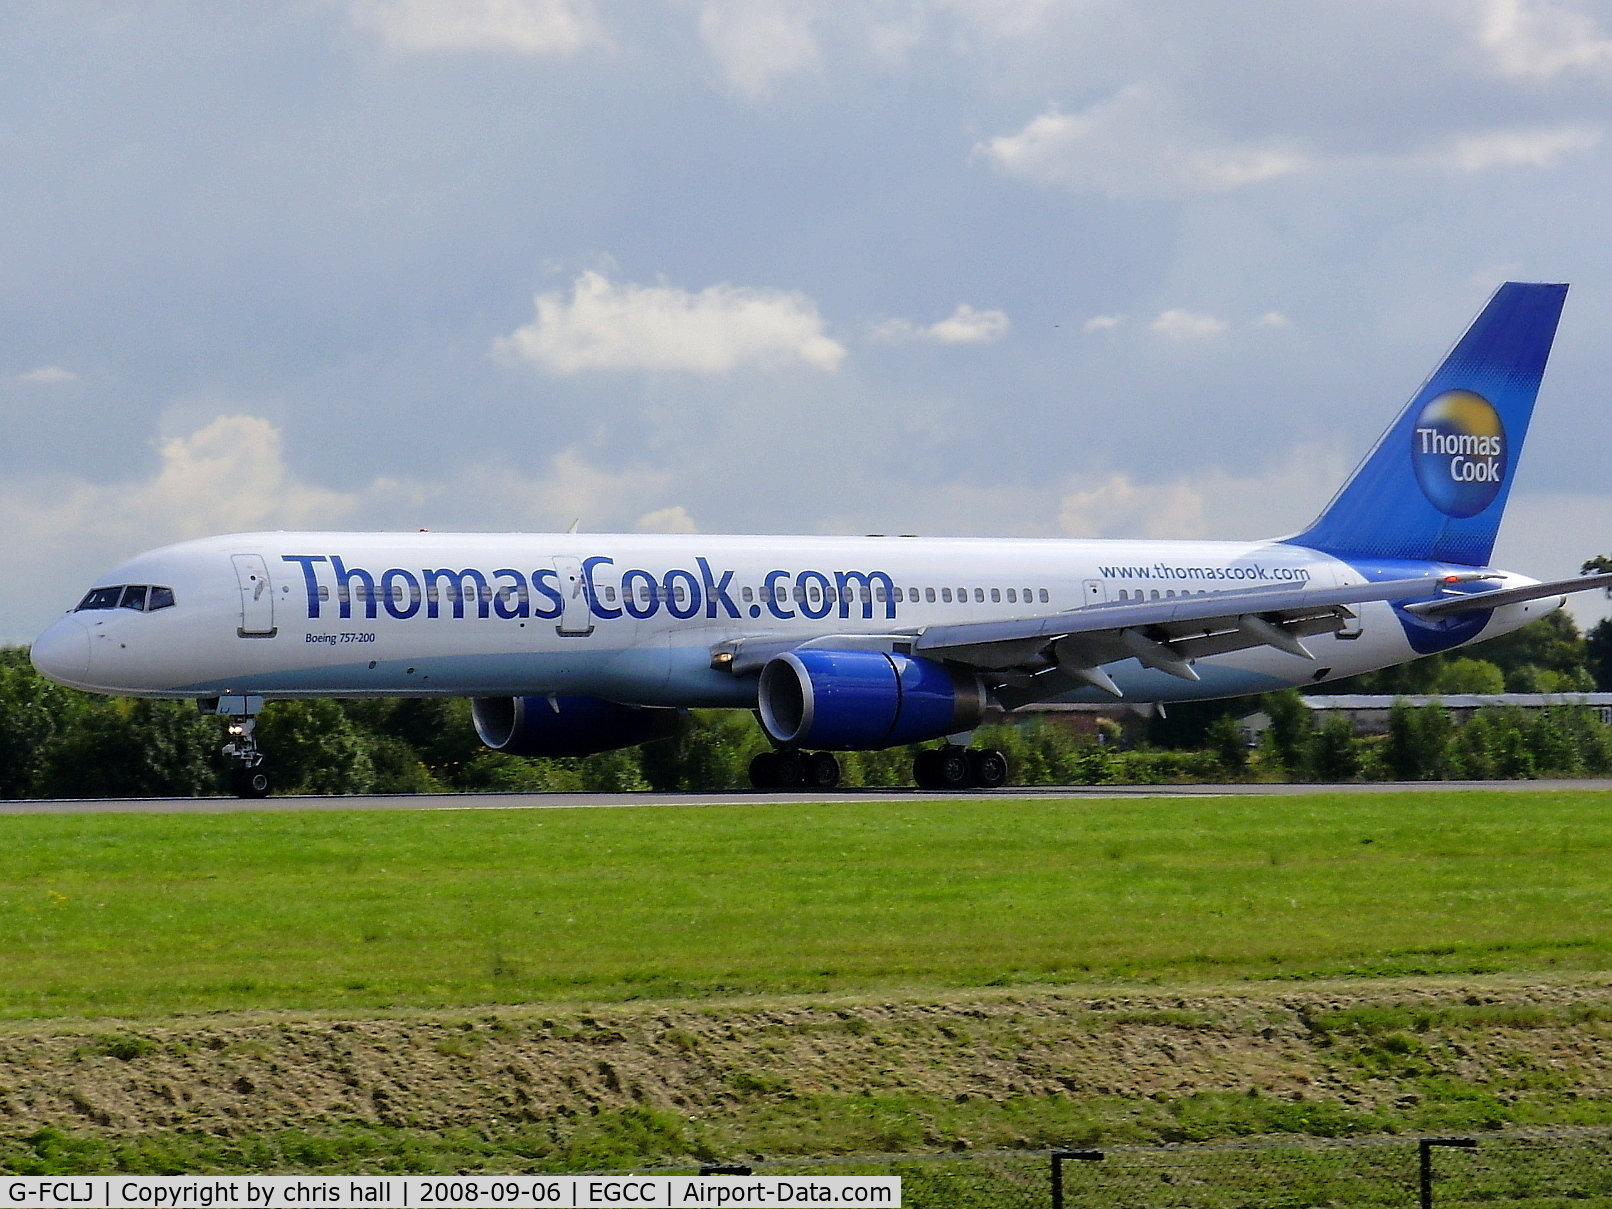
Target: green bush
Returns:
[[56, 742]]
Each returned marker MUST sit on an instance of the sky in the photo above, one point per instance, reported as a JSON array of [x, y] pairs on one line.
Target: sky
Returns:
[[1092, 268]]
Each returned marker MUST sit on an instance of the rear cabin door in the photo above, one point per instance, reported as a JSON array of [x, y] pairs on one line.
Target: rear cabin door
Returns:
[[576, 619], [257, 596]]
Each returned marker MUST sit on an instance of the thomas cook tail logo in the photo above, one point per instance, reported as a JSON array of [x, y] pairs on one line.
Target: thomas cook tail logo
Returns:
[[1459, 450]]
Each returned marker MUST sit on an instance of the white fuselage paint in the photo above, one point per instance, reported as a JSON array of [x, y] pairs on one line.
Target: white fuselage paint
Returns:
[[222, 637]]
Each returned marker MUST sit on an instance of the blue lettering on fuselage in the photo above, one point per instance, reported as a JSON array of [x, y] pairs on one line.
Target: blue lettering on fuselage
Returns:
[[508, 593]]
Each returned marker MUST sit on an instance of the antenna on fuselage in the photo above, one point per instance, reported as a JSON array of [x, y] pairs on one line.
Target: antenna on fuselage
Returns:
[[574, 525]]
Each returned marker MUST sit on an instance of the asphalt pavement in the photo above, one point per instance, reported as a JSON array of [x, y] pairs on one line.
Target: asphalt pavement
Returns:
[[597, 801]]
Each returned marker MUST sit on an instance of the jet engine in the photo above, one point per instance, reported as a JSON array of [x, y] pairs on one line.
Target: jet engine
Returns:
[[567, 726], [865, 700]]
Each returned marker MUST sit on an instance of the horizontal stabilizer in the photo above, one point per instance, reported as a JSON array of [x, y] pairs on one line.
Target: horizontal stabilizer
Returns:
[[1471, 602]]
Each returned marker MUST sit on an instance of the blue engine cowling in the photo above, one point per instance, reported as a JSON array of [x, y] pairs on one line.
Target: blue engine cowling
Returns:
[[865, 700], [567, 726]]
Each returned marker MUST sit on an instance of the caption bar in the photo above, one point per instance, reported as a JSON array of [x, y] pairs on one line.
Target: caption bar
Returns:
[[449, 1192]]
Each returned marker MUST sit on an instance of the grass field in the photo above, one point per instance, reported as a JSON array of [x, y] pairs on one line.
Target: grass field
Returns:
[[155, 914]]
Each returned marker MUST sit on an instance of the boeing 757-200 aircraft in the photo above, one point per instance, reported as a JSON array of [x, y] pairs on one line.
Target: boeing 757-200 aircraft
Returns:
[[570, 644]]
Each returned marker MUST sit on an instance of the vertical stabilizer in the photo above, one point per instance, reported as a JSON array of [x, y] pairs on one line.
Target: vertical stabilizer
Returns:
[[1435, 485]]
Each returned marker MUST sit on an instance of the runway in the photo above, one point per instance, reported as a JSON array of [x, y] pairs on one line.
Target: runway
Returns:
[[606, 801]]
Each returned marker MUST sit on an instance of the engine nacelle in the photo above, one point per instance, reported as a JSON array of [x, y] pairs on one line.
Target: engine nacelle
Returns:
[[567, 726], [865, 700]]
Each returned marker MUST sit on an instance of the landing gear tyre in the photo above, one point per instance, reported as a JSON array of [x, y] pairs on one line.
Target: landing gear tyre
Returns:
[[790, 769], [952, 768], [947, 768], [822, 770], [251, 782], [987, 769], [764, 771]]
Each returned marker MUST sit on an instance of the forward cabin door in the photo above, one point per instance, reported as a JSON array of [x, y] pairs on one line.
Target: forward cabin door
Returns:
[[257, 596], [576, 620]]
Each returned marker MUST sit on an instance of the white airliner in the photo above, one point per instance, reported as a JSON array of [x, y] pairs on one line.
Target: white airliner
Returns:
[[571, 643]]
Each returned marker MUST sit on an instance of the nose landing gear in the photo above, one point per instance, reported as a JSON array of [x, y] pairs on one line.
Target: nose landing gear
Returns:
[[249, 778], [249, 774]]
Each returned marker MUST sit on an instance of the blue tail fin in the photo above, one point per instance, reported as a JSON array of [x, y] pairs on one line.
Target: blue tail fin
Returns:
[[1436, 484]]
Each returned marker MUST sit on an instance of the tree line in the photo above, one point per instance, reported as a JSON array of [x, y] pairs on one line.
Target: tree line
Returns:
[[58, 742]]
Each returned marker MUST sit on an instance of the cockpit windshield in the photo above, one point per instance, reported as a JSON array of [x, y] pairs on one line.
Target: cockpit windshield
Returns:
[[142, 598]]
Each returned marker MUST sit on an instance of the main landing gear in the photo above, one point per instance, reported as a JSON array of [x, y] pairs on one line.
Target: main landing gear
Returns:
[[946, 768], [790, 769], [954, 768]]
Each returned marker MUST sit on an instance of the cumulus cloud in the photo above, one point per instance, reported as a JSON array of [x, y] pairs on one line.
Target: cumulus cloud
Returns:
[[1281, 497], [756, 43], [605, 326], [1102, 323], [1180, 324], [1528, 148], [1542, 38], [48, 374], [58, 532], [528, 27], [1119, 507], [1273, 319], [1137, 144], [666, 520], [965, 325]]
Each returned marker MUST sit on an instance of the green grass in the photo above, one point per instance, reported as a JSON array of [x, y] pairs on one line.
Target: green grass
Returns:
[[154, 914]]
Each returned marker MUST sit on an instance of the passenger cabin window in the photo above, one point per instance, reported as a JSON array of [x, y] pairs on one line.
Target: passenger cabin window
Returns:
[[1013, 596], [979, 595], [929, 595], [996, 595], [946, 595], [748, 595], [1043, 596]]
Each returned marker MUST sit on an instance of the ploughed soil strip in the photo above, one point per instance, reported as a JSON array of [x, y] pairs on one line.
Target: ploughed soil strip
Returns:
[[1366, 1046]]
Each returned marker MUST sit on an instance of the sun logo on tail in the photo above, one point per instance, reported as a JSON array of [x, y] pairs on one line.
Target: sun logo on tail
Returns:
[[1458, 448]]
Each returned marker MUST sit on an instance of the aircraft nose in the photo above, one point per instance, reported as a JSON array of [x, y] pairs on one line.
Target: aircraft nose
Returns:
[[62, 653]]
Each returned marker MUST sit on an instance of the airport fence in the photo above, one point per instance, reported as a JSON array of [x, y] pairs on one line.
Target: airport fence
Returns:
[[1539, 1169]]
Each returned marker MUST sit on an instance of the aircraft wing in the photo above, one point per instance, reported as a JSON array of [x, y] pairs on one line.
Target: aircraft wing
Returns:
[[1032, 659]]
